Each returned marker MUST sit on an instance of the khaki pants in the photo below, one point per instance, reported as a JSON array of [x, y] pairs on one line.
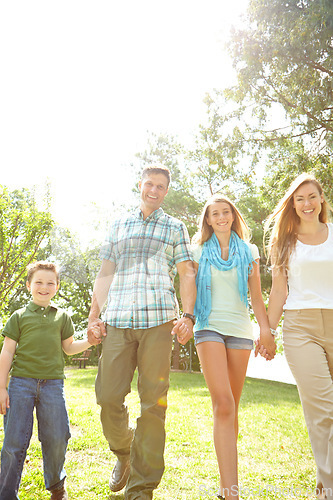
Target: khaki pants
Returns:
[[308, 347], [123, 351]]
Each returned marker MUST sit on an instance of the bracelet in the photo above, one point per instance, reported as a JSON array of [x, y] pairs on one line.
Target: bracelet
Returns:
[[190, 316], [273, 332]]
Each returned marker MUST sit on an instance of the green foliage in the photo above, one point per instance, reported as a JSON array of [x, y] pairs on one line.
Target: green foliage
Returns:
[[23, 228], [284, 63], [78, 270], [217, 156]]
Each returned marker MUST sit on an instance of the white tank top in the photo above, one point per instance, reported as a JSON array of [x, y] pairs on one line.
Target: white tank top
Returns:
[[310, 275]]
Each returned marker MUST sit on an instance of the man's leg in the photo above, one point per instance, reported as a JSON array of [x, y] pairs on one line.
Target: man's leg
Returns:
[[113, 383], [147, 462]]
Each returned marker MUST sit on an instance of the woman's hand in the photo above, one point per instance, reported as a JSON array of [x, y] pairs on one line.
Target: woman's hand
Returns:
[[265, 344]]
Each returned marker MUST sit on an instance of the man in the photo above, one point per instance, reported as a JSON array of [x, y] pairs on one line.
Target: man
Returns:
[[141, 257]]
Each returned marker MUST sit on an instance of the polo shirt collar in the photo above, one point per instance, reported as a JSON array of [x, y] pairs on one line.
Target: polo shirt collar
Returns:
[[35, 307], [155, 215]]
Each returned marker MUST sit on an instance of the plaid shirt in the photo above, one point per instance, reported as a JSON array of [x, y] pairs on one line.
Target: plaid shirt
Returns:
[[146, 252]]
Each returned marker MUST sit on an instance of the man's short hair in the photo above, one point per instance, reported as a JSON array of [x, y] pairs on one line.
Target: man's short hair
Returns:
[[42, 265], [156, 169]]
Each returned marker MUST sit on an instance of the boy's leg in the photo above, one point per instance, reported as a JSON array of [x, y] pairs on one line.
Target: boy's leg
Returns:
[[53, 430], [18, 423], [147, 452], [115, 373]]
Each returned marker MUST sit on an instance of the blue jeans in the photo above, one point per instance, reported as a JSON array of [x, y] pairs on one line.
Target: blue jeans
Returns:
[[53, 432]]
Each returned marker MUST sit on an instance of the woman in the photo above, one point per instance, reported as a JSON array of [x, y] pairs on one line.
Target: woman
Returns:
[[301, 253], [227, 266]]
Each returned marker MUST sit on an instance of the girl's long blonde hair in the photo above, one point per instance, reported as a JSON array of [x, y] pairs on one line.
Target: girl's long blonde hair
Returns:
[[283, 223], [205, 231]]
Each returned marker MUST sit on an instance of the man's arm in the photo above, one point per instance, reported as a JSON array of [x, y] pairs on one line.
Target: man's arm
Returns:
[[188, 292], [100, 293]]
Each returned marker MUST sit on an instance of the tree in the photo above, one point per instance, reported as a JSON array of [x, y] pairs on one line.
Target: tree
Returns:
[[78, 270], [284, 63], [23, 228]]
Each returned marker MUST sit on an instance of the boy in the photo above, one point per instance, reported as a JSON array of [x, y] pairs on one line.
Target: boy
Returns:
[[35, 337]]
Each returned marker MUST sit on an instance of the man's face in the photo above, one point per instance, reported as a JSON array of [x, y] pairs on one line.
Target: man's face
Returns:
[[154, 188]]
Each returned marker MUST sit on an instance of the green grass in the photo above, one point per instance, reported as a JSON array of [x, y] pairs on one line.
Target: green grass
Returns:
[[275, 459]]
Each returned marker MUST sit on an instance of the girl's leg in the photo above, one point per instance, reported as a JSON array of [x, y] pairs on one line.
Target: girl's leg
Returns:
[[237, 365], [224, 372], [18, 423]]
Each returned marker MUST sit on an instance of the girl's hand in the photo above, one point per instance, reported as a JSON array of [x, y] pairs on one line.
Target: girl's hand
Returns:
[[265, 345], [4, 401]]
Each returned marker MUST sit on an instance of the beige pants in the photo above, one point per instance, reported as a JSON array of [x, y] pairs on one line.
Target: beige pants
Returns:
[[308, 347]]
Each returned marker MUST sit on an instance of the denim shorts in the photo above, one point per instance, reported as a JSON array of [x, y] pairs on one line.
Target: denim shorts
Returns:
[[229, 341]]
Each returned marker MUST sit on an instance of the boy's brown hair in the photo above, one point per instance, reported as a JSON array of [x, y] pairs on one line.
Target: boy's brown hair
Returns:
[[42, 265]]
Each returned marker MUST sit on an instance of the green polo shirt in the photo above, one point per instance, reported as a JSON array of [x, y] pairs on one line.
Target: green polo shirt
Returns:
[[39, 332]]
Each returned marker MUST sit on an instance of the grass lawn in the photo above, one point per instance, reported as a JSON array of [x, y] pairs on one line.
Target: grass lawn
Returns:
[[275, 459]]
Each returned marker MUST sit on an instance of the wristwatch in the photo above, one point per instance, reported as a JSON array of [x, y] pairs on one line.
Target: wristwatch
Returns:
[[190, 316]]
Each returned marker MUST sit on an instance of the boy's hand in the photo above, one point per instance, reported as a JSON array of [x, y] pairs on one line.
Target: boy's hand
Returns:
[[4, 401], [96, 331]]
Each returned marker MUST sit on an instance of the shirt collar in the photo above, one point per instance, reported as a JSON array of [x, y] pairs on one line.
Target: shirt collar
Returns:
[[35, 307], [153, 216]]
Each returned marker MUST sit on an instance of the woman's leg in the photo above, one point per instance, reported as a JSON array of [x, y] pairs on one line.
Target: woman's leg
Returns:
[[224, 371], [308, 348]]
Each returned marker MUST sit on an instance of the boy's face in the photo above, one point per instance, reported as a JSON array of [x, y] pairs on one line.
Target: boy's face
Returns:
[[43, 287]]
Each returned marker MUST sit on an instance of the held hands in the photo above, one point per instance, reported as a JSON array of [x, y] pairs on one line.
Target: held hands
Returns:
[[183, 328], [96, 331], [4, 401], [265, 345]]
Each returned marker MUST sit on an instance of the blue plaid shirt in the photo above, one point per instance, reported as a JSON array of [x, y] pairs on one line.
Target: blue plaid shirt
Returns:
[[142, 293]]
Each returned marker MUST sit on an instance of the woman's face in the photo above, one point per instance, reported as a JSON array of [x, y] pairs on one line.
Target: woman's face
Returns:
[[220, 217], [307, 202]]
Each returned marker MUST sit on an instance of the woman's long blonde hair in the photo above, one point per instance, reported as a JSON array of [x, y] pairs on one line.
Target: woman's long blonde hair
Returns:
[[283, 223], [205, 231]]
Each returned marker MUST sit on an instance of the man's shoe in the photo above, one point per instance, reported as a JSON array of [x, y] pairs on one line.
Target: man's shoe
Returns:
[[60, 494], [120, 475], [219, 495]]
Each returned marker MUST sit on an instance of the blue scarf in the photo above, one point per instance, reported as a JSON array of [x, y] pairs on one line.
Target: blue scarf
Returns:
[[239, 256]]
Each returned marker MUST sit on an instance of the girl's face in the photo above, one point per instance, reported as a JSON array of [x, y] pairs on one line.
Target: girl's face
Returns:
[[220, 217], [308, 202]]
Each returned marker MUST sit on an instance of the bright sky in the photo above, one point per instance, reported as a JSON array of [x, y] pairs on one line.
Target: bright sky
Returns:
[[83, 81]]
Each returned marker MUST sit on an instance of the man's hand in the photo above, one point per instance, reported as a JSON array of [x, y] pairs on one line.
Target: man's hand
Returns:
[[183, 328], [96, 331]]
